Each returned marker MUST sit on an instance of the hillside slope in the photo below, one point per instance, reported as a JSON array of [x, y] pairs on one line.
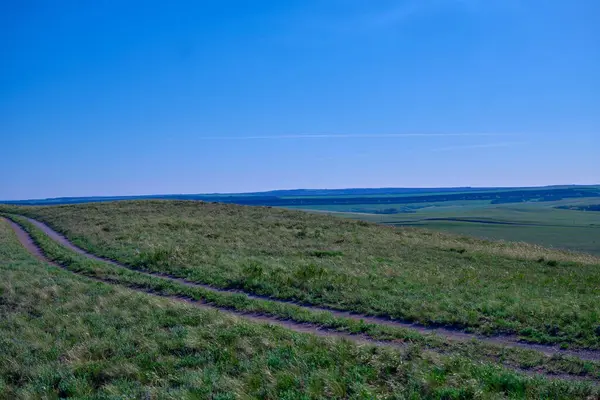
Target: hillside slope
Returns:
[[432, 278]]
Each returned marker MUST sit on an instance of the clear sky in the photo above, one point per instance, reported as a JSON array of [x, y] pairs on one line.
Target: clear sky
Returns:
[[145, 97]]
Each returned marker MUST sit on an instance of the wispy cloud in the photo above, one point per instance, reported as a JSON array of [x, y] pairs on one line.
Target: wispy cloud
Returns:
[[404, 10], [368, 17], [479, 146], [351, 136], [346, 155], [360, 17], [332, 19], [394, 15]]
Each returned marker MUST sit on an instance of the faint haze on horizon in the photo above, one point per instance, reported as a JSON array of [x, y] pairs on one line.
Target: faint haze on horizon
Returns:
[[129, 98]]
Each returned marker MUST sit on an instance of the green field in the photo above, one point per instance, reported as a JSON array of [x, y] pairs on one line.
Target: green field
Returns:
[[100, 340], [542, 295], [562, 217], [540, 223], [63, 336]]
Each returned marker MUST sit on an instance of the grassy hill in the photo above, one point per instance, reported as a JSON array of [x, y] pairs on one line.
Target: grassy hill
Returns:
[[563, 217], [541, 295], [66, 336], [109, 345]]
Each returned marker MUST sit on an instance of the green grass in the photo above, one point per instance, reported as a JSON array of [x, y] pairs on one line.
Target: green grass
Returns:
[[405, 209], [544, 296], [580, 238], [562, 229], [65, 336], [474, 350]]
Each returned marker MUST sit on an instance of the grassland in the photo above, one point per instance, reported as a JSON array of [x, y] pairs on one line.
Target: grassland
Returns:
[[66, 336], [547, 224], [543, 295], [563, 217], [561, 363]]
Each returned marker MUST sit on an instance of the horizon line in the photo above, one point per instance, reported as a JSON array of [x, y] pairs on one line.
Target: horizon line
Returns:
[[296, 189]]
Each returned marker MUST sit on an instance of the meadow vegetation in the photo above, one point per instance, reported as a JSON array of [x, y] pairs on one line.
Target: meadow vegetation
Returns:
[[512, 357], [569, 224], [63, 335], [542, 295]]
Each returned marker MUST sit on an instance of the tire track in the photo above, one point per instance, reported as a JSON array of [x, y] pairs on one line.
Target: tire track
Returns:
[[28, 243], [445, 332]]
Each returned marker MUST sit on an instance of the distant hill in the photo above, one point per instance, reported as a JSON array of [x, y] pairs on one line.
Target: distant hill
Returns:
[[311, 197]]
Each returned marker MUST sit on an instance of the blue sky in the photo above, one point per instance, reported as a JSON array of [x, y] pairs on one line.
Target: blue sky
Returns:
[[144, 97]]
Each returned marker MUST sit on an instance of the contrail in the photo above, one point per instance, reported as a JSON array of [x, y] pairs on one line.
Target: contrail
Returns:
[[348, 136], [479, 146]]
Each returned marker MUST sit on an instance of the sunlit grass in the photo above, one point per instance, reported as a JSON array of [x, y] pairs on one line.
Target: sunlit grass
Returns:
[[542, 295], [64, 336]]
